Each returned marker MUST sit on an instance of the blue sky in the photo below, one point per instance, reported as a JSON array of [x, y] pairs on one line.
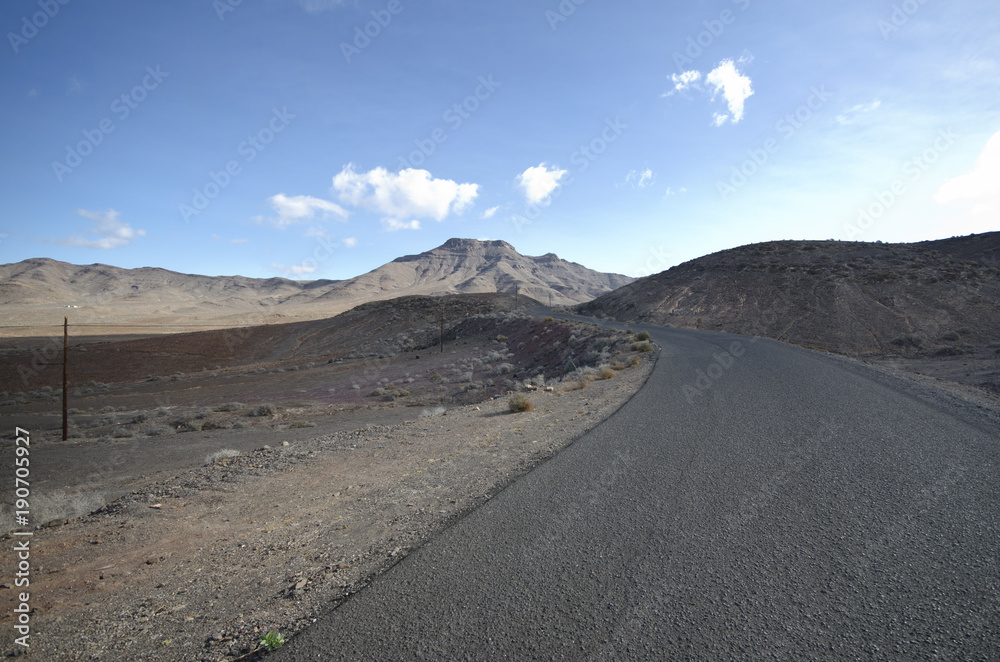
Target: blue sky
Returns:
[[322, 138]]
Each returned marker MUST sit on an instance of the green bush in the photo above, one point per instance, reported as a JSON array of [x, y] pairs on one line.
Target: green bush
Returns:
[[642, 335], [644, 346]]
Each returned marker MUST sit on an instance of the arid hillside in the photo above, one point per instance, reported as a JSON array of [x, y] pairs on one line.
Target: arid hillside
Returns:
[[938, 298], [41, 291]]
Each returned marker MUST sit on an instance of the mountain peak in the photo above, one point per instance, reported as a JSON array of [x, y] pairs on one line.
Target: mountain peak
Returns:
[[456, 243]]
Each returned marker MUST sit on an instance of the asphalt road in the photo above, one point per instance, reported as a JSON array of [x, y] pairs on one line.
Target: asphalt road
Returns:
[[782, 505]]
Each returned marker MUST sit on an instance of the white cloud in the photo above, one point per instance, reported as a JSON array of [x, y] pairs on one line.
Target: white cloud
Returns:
[[491, 212], [301, 269], [350, 242], [640, 179], [734, 86], [539, 182], [392, 225], [849, 115], [299, 208], [980, 185], [684, 81], [238, 241], [671, 191], [109, 232], [404, 195]]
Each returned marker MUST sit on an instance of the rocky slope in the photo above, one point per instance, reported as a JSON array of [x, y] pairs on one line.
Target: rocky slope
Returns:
[[931, 298]]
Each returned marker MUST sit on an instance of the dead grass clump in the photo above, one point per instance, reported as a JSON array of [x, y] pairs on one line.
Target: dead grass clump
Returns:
[[219, 456], [634, 362], [644, 346], [606, 372], [518, 403], [266, 409]]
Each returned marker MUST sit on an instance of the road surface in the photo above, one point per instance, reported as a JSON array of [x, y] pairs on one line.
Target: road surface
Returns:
[[753, 501]]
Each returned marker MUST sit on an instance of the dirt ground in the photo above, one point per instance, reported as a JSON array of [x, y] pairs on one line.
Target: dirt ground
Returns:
[[200, 564], [191, 513]]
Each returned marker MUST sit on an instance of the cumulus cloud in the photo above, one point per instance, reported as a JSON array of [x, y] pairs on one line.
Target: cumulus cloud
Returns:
[[684, 81], [980, 185], [301, 269], [491, 212], [539, 182], [300, 208], [640, 179], [726, 79], [110, 232], [735, 87], [409, 194]]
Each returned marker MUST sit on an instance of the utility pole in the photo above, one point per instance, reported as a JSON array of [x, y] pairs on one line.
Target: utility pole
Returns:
[[65, 394]]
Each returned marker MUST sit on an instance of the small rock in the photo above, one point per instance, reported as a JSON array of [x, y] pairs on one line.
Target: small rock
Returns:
[[284, 443]]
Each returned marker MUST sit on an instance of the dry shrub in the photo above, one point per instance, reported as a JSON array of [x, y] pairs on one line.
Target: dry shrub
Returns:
[[606, 372], [518, 403]]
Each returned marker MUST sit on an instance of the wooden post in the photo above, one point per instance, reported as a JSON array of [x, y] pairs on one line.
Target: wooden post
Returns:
[[65, 410]]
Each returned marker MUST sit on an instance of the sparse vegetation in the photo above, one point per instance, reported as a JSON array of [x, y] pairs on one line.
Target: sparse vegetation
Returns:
[[229, 406], [272, 641], [644, 346], [642, 335], [219, 456], [519, 403], [263, 410], [606, 372], [297, 425]]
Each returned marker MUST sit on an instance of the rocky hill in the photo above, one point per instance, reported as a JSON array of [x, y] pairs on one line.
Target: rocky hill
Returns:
[[931, 298], [39, 290]]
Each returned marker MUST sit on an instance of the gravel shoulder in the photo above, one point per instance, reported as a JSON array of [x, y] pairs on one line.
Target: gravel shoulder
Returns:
[[198, 564]]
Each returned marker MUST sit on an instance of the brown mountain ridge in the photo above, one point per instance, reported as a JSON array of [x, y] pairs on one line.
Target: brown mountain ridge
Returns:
[[39, 290]]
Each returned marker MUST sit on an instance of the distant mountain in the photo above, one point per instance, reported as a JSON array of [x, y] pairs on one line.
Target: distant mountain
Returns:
[[935, 297], [39, 290]]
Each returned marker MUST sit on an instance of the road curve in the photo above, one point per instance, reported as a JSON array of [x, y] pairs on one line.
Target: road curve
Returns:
[[752, 501]]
